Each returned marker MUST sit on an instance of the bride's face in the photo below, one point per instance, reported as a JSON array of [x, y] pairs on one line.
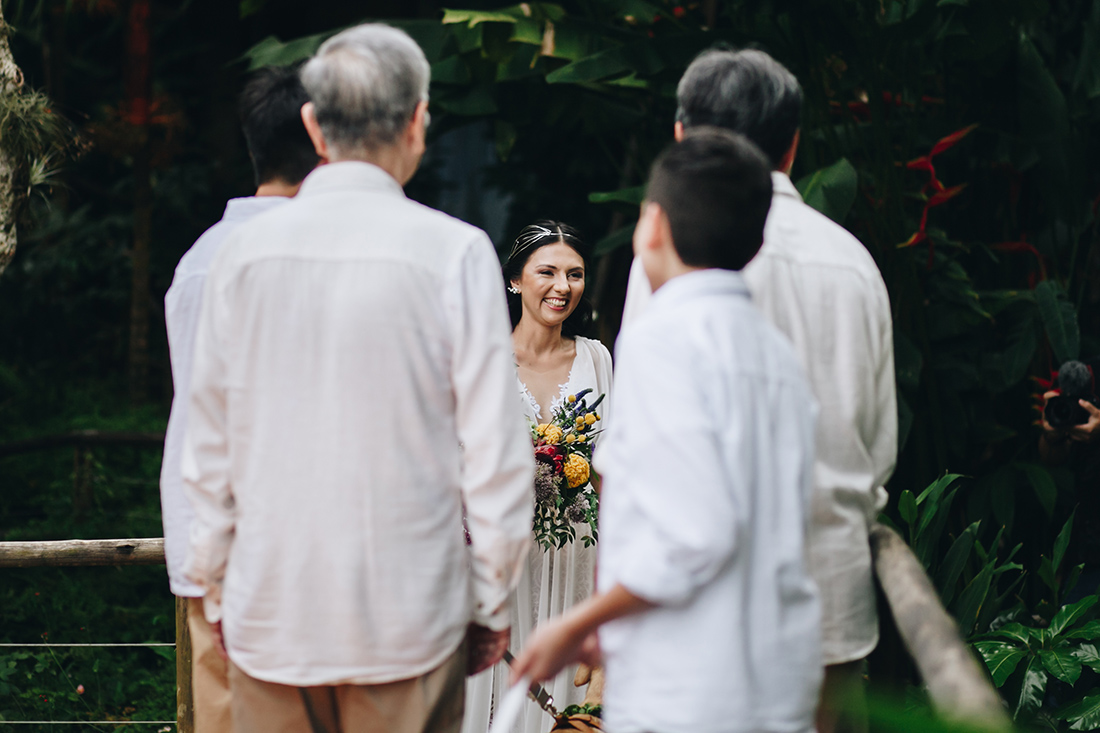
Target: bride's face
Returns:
[[551, 284]]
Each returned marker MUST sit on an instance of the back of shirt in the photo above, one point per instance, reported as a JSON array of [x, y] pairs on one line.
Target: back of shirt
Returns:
[[707, 479]]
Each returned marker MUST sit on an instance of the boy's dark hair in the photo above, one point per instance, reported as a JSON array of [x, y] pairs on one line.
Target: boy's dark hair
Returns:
[[747, 92], [715, 188], [271, 117]]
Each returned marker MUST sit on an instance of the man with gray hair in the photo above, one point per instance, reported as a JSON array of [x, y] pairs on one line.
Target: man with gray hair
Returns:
[[819, 285], [352, 391]]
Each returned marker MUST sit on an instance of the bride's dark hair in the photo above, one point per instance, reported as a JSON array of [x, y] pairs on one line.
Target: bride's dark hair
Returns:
[[531, 238]]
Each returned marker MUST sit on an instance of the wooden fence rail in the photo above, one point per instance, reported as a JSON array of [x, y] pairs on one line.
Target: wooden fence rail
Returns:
[[93, 553]]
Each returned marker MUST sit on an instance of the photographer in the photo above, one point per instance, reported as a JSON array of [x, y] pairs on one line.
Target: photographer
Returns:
[[1070, 432]]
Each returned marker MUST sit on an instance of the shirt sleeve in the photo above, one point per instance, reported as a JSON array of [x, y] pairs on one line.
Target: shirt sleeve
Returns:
[[205, 460], [663, 468], [498, 470]]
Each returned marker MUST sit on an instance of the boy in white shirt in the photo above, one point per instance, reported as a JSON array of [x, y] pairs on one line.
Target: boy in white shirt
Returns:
[[708, 619]]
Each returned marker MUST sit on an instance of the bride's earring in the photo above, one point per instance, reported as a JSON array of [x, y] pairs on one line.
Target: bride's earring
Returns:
[[513, 290]]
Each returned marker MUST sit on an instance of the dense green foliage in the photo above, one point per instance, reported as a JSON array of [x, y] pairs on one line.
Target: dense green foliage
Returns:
[[955, 138]]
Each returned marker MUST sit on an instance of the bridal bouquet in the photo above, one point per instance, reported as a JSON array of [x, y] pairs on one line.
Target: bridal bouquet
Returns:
[[564, 495]]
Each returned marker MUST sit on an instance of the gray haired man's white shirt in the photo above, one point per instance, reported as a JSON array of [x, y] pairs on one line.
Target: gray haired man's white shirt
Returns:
[[821, 288], [353, 386]]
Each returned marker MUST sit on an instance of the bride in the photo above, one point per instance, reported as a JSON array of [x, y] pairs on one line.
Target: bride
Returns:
[[545, 274]]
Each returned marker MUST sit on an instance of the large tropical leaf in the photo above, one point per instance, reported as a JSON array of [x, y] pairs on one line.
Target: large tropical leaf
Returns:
[[1045, 489], [1059, 320], [1033, 687], [1083, 714], [954, 561], [1001, 658], [1061, 663], [831, 190]]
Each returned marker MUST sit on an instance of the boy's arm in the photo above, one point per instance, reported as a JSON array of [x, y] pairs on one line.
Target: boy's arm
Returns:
[[572, 637]]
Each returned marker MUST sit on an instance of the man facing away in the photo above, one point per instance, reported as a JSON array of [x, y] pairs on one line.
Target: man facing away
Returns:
[[822, 289], [706, 478], [282, 155], [352, 388]]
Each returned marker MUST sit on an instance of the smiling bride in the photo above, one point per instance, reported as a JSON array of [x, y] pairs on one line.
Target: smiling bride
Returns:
[[545, 275]]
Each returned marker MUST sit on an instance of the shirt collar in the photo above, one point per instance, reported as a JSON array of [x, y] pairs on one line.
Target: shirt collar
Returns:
[[782, 186], [349, 175], [247, 207], [701, 283]]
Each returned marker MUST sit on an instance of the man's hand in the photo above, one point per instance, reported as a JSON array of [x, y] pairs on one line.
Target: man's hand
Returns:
[[485, 647], [552, 647], [219, 640], [1087, 432]]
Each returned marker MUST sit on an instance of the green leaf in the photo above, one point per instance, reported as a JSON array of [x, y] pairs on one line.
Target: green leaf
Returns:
[[469, 102], [1087, 79], [1082, 715], [451, 70], [273, 52], [1062, 664], [1087, 654], [505, 137], [1001, 658], [1045, 490], [972, 598], [1067, 615], [934, 490], [473, 17], [907, 505], [1014, 631], [831, 190], [1032, 689], [632, 196], [1046, 574], [1059, 320], [1061, 544], [1091, 630], [947, 576]]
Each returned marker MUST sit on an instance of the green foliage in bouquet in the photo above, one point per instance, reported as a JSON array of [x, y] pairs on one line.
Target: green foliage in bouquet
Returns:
[[564, 495]]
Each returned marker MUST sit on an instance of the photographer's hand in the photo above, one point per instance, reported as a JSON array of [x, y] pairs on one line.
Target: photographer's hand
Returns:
[[1087, 432]]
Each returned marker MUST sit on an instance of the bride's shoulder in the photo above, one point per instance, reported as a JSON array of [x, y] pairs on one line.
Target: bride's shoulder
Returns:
[[595, 348]]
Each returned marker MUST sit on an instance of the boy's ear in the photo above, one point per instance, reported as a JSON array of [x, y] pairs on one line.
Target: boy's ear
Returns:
[[647, 232]]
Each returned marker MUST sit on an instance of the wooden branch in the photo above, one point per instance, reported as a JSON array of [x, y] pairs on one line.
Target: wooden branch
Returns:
[[82, 553], [82, 437], [957, 684]]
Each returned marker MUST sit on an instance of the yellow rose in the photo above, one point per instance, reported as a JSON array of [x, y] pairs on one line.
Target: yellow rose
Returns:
[[576, 470], [590, 419], [553, 434], [570, 438], [542, 428]]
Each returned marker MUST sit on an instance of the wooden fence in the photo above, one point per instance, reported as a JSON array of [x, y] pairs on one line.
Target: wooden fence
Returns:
[[957, 684], [93, 553]]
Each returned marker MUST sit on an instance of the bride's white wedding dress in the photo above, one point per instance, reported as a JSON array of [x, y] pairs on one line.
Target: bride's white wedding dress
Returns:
[[555, 579]]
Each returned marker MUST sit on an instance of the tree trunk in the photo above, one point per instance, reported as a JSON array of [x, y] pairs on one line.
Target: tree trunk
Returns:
[[11, 79], [138, 92]]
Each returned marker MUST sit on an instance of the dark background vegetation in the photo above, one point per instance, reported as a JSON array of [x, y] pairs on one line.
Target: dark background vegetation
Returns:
[[544, 110]]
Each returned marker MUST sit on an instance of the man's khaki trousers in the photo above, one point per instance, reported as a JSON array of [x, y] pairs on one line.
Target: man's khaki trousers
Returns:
[[431, 703], [209, 680]]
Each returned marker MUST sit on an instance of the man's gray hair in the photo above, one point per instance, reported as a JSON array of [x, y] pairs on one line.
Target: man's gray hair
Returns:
[[747, 92], [365, 84]]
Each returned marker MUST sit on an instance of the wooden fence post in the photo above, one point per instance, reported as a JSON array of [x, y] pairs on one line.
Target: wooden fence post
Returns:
[[185, 708]]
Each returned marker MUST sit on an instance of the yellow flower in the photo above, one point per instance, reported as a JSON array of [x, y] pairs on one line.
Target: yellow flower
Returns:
[[571, 398], [580, 423], [580, 438], [576, 470], [598, 416], [570, 438], [553, 434], [542, 428], [590, 419]]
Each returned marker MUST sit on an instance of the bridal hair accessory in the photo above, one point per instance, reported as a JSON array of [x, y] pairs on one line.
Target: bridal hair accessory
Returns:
[[530, 236]]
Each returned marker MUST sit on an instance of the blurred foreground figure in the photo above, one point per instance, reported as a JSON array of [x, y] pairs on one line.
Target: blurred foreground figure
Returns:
[[282, 155], [353, 387], [819, 285], [706, 479]]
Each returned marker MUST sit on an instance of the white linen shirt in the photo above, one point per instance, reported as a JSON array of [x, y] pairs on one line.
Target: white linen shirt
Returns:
[[352, 387], [821, 288], [182, 303], [707, 474]]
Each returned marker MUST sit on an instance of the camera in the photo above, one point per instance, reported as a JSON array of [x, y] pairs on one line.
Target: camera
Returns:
[[1075, 381]]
